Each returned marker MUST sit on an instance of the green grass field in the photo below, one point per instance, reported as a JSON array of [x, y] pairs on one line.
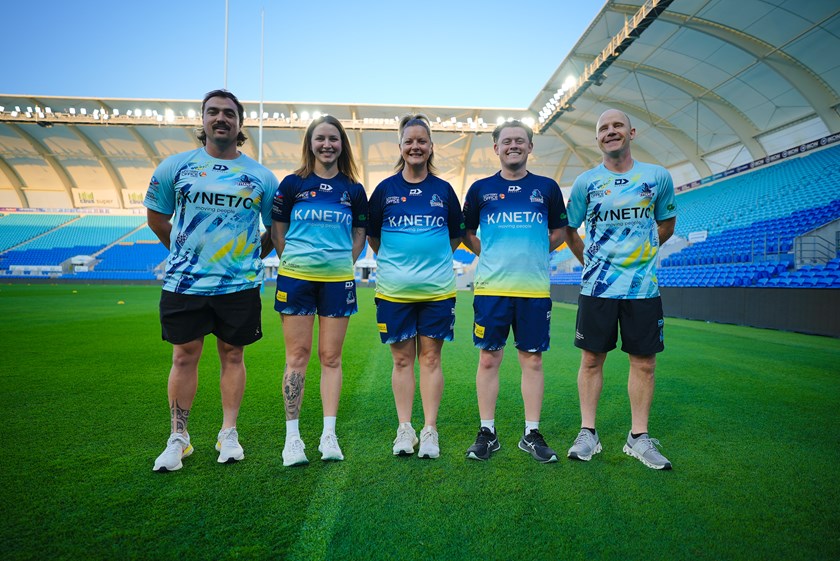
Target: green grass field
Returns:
[[748, 417]]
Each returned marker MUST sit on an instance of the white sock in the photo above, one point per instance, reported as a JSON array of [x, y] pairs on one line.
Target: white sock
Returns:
[[490, 424], [329, 426], [406, 425], [292, 429], [531, 425]]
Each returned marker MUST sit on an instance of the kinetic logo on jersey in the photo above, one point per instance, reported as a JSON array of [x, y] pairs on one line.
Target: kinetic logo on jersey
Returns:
[[514, 189], [415, 192], [216, 199], [436, 201], [325, 188], [415, 221], [490, 197], [322, 215], [536, 196], [518, 217], [345, 199], [622, 214]]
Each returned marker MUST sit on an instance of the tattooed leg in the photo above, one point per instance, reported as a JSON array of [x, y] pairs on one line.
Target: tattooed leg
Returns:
[[292, 392], [179, 417]]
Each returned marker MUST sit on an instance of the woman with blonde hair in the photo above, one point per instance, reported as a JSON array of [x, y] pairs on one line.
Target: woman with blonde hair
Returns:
[[415, 225]]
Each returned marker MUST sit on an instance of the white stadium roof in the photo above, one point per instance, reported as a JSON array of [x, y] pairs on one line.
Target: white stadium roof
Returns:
[[708, 84]]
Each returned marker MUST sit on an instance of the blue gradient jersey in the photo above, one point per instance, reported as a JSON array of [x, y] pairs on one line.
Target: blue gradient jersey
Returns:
[[214, 247], [414, 222], [321, 214], [621, 211], [513, 219]]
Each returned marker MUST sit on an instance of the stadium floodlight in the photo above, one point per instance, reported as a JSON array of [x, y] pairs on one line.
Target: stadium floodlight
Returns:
[[569, 83], [316, 115], [2, 108], [275, 115], [138, 113], [83, 111], [149, 113], [191, 113], [169, 115], [115, 112], [72, 110], [500, 120], [304, 115]]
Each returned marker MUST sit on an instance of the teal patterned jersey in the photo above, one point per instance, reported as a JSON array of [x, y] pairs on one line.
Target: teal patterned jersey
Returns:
[[217, 207], [620, 213]]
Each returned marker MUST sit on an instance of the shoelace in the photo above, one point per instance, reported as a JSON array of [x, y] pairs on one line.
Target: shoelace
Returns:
[[330, 441], [537, 439], [583, 437], [231, 436], [484, 436], [297, 445], [650, 444], [403, 435], [428, 436]]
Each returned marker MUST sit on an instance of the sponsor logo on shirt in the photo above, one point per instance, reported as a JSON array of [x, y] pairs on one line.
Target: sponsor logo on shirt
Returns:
[[647, 191], [393, 200], [415, 192], [325, 187], [436, 201], [536, 196], [490, 197], [345, 199], [514, 189], [220, 167], [244, 181]]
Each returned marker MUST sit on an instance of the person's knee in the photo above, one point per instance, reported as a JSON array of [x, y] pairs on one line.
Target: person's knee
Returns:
[[231, 354], [592, 362], [329, 358], [489, 360], [643, 365]]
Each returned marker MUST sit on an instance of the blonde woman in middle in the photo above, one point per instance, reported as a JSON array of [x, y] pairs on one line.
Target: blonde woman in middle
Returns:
[[415, 225]]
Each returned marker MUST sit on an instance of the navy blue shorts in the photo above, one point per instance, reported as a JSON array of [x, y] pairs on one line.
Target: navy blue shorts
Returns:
[[530, 319], [297, 297], [398, 321], [641, 320]]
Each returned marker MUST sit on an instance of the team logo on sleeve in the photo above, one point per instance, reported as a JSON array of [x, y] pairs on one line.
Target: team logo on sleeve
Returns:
[[345, 199], [436, 201], [536, 196]]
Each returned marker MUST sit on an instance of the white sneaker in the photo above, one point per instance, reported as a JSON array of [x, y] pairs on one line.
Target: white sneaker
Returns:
[[293, 452], [405, 442], [329, 448], [228, 446], [177, 447], [429, 447]]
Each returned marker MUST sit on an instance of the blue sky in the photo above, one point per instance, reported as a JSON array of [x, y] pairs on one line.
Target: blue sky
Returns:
[[482, 53]]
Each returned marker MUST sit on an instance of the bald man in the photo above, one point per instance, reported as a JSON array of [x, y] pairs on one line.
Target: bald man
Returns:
[[628, 210]]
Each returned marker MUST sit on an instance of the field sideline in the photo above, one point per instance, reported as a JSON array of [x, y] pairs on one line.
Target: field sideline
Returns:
[[748, 417]]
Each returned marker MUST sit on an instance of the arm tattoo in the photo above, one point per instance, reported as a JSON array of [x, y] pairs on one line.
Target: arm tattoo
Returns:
[[179, 417], [293, 393]]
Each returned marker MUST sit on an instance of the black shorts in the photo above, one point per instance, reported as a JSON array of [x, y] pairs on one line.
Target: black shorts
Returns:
[[235, 318], [641, 321]]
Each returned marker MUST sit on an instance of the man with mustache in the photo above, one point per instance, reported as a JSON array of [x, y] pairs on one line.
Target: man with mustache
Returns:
[[205, 206]]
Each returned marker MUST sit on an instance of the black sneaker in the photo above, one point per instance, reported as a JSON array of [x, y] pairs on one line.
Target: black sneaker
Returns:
[[534, 444], [485, 444]]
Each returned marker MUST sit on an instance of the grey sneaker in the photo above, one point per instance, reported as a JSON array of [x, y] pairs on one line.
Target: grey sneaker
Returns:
[[644, 449], [586, 445], [293, 452], [177, 447], [429, 447], [405, 442]]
